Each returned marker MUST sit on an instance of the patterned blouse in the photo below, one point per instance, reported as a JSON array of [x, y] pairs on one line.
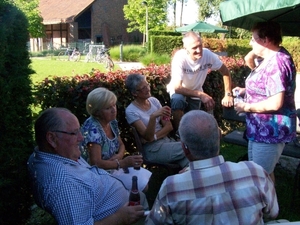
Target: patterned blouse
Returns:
[[94, 133], [277, 75]]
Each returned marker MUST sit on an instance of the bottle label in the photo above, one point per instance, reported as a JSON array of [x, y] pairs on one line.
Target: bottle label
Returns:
[[131, 203]]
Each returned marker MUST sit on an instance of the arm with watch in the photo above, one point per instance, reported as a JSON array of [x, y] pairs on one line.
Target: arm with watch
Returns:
[[227, 100]]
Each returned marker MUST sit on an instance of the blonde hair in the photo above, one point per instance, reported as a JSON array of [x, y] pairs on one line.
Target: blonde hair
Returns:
[[99, 98]]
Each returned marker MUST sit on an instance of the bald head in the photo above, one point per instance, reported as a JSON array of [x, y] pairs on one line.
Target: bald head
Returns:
[[192, 43], [190, 37], [200, 134]]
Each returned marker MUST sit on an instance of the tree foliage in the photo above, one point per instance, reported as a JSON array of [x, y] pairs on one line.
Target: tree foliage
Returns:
[[207, 8], [32, 13], [135, 13]]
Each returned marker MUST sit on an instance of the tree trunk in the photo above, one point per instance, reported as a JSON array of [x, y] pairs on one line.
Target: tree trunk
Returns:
[[181, 12], [174, 13]]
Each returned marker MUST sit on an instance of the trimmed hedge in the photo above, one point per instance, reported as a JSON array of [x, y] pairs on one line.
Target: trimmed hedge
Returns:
[[16, 121], [167, 42]]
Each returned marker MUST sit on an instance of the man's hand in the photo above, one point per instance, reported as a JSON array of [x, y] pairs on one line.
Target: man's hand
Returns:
[[208, 101], [124, 216], [227, 101], [131, 214]]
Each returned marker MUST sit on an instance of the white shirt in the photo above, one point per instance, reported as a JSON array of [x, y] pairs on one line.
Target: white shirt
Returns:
[[192, 73]]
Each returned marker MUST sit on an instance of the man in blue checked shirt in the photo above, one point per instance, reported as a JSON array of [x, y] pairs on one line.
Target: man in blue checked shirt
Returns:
[[65, 185], [212, 191]]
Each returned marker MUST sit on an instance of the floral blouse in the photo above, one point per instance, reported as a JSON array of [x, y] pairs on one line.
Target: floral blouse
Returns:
[[94, 133], [277, 75]]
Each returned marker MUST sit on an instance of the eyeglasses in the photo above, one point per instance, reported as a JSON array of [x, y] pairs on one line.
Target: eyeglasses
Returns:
[[144, 88], [69, 133]]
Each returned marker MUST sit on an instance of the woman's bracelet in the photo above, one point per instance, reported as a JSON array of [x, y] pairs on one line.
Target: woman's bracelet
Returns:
[[118, 164]]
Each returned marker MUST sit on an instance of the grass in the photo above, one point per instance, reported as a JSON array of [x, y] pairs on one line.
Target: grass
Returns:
[[156, 59], [130, 53], [138, 53], [47, 66]]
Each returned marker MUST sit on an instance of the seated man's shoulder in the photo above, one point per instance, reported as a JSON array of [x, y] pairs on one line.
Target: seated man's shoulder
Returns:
[[249, 167]]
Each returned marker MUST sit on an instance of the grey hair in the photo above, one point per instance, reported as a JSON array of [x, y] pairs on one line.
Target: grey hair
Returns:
[[132, 81], [48, 120], [199, 131], [187, 37], [99, 98]]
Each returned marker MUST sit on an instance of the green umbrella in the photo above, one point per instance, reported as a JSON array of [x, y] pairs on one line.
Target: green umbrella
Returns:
[[245, 13], [201, 27]]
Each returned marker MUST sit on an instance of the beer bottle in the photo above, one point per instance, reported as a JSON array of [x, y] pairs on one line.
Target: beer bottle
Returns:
[[134, 196]]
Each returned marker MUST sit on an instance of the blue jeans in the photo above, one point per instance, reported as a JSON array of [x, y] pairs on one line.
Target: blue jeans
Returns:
[[183, 103]]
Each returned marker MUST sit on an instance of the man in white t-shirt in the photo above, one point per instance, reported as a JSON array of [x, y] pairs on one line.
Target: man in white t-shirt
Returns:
[[190, 66]]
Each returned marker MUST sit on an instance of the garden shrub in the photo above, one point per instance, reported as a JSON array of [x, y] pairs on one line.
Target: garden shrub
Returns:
[[16, 122], [71, 92]]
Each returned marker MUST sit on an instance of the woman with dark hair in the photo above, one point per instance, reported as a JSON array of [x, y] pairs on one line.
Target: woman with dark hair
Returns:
[[152, 122], [269, 97]]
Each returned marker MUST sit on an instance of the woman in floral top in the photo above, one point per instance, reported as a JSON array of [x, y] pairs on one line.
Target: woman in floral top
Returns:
[[102, 142], [269, 98]]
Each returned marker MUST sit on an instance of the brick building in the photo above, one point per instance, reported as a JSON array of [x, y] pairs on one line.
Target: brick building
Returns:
[[80, 21]]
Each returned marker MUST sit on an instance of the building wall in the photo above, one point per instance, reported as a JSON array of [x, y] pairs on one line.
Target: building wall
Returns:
[[109, 24]]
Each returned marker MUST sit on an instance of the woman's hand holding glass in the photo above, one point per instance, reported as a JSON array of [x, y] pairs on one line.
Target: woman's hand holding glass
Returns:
[[132, 161], [165, 113], [239, 90]]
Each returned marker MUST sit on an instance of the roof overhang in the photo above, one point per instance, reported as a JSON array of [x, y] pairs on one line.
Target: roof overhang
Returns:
[[62, 11]]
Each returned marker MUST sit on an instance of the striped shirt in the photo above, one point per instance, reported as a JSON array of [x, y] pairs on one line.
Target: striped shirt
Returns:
[[216, 192]]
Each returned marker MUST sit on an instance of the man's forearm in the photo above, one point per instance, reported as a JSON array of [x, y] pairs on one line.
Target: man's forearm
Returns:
[[188, 92], [227, 84]]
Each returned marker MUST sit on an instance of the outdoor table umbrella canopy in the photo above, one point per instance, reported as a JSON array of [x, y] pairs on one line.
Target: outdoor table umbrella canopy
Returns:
[[201, 27], [245, 13]]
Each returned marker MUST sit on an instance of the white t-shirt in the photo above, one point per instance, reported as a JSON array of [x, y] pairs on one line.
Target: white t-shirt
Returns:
[[192, 73], [134, 113]]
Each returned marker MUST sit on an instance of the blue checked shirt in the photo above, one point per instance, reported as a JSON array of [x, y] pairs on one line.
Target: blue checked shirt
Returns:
[[216, 192], [74, 192]]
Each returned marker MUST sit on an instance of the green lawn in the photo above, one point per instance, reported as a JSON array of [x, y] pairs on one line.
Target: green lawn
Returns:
[[46, 67]]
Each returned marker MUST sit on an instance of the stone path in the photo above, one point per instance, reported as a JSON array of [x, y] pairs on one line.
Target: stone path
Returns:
[[129, 65]]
